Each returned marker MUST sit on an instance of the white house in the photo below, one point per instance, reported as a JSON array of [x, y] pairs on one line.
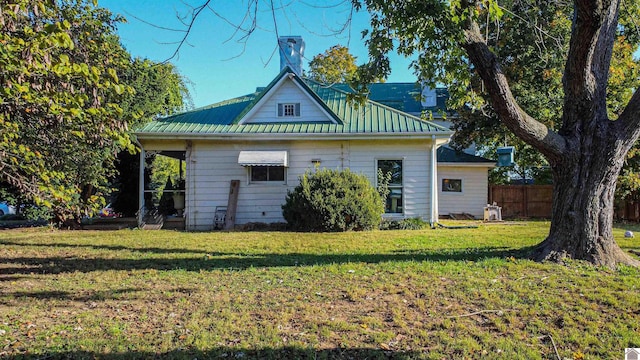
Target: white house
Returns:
[[266, 140]]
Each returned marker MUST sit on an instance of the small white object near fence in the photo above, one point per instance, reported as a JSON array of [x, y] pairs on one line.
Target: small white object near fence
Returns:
[[492, 213]]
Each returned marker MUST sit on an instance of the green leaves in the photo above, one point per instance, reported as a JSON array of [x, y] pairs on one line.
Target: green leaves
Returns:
[[61, 120], [335, 65], [332, 200], [69, 95], [113, 74], [64, 59]]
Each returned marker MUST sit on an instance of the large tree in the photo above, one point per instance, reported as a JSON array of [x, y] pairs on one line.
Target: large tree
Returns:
[[587, 147], [65, 79], [535, 78]]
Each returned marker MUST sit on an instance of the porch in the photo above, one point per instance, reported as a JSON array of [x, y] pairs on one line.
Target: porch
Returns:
[[162, 191]]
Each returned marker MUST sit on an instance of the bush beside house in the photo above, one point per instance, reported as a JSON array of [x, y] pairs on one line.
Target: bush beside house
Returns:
[[333, 200]]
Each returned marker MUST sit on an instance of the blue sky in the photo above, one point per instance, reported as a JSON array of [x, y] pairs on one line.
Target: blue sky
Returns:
[[216, 63]]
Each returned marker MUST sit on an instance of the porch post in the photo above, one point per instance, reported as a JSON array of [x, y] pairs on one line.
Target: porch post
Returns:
[[141, 187], [434, 182]]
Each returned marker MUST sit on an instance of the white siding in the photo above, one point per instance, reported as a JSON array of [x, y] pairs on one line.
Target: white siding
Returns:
[[415, 156], [288, 93], [213, 165], [473, 197]]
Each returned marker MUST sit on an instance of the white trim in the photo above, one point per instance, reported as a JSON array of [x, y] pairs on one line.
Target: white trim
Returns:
[[441, 137], [262, 101], [296, 105], [433, 219], [141, 184]]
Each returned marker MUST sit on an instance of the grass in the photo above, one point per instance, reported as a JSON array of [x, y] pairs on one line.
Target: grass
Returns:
[[432, 294]]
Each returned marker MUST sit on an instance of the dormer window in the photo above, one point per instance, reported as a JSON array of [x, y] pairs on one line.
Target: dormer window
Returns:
[[288, 109]]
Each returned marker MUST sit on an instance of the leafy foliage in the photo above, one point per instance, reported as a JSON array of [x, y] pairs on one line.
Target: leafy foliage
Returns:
[[535, 76], [531, 38], [70, 94], [159, 90], [60, 122], [335, 65], [166, 170], [332, 200]]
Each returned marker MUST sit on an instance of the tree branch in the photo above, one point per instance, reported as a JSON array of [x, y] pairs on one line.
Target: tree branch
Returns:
[[548, 142], [194, 15], [628, 124], [587, 68]]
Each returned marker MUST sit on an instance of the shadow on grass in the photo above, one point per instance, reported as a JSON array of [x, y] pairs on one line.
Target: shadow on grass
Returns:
[[240, 261], [107, 247], [228, 353], [75, 296]]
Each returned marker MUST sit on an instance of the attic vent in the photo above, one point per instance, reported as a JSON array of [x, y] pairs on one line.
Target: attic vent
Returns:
[[288, 109]]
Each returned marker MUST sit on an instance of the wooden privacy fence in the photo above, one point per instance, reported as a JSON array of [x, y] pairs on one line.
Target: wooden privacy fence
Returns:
[[522, 201], [534, 201], [629, 210]]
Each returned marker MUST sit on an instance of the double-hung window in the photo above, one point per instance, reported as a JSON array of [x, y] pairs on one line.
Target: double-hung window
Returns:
[[395, 198]]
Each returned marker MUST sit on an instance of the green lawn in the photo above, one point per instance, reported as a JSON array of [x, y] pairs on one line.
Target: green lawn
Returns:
[[433, 294]]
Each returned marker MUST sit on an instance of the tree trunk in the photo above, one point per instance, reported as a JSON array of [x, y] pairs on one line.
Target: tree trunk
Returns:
[[583, 208]]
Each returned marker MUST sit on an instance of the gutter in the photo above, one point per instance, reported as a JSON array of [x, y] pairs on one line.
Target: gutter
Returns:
[[445, 135]]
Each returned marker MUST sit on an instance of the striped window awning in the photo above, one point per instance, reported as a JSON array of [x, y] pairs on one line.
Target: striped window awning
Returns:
[[263, 158]]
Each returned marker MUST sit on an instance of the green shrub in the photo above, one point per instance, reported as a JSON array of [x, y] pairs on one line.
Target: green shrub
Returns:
[[11, 217], [332, 200], [404, 224]]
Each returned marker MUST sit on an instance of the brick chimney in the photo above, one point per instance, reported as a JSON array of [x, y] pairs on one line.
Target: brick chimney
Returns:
[[291, 53]]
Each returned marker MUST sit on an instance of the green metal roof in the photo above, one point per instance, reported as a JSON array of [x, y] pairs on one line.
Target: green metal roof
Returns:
[[449, 155], [224, 118], [403, 96]]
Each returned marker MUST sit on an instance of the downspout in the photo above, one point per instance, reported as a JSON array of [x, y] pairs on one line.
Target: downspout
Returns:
[[433, 220], [141, 184]]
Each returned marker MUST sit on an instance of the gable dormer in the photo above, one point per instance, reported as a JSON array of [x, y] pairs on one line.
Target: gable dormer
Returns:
[[288, 100]]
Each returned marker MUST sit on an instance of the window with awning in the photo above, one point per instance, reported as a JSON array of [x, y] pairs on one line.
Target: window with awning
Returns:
[[265, 166]]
